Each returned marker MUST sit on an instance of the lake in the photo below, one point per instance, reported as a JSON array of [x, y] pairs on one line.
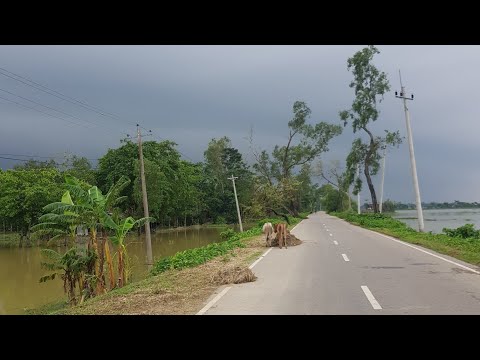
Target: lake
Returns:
[[437, 219]]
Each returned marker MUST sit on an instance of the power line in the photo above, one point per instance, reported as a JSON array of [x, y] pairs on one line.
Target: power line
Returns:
[[62, 112], [57, 92], [43, 112], [8, 158], [45, 106], [62, 96]]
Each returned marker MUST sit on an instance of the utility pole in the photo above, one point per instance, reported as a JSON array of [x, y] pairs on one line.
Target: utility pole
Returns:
[[148, 239], [236, 200], [403, 96], [358, 195], [383, 178]]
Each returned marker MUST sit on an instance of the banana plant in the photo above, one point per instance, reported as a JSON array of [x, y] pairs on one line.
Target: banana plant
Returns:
[[89, 207], [71, 267], [121, 227], [58, 226]]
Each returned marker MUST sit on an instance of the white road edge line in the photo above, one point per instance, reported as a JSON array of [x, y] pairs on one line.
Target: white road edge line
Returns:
[[429, 253], [370, 298], [260, 258], [213, 301], [224, 291], [345, 257], [296, 225], [335, 242]]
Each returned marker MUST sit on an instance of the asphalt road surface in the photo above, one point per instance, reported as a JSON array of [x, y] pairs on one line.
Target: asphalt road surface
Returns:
[[344, 269]]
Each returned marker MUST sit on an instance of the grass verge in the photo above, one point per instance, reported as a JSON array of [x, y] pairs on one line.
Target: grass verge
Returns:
[[466, 249]]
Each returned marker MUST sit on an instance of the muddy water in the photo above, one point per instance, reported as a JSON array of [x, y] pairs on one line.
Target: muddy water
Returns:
[[20, 268]]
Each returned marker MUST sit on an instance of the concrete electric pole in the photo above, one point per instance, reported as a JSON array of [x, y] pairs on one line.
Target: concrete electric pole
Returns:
[[403, 96], [383, 178], [148, 239], [358, 195], [236, 201]]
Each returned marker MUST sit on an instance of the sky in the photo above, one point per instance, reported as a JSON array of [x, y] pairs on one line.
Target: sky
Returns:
[[191, 94]]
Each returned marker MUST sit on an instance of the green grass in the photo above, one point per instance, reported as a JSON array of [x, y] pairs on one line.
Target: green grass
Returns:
[[466, 249], [50, 308]]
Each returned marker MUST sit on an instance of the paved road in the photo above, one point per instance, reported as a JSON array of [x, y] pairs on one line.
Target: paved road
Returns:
[[344, 269]]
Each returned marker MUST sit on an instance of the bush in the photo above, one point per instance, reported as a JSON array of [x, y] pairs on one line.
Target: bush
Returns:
[[303, 215], [220, 220], [466, 231], [227, 233]]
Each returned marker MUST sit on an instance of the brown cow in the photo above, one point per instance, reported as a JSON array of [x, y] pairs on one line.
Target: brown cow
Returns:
[[281, 230]]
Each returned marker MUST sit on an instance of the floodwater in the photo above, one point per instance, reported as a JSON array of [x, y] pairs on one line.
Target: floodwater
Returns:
[[20, 268], [437, 219]]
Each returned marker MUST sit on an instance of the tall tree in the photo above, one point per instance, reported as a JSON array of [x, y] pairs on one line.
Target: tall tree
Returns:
[[370, 86], [162, 164], [221, 161], [305, 142]]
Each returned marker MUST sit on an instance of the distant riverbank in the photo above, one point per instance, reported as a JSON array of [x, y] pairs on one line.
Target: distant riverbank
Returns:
[[437, 219]]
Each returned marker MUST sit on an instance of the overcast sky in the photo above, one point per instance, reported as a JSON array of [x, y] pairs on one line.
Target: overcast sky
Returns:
[[191, 94]]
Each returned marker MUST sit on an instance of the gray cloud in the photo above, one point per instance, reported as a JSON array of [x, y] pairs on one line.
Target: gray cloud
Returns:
[[191, 94]]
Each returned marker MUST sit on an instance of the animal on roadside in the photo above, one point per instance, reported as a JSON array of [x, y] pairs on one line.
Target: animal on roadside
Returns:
[[267, 230], [281, 231]]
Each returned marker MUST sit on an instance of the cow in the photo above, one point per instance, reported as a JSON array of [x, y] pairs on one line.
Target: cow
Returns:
[[281, 230], [268, 231]]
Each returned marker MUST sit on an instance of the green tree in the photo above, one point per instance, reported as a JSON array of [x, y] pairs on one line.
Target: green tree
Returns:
[[221, 161], [332, 199], [36, 165], [24, 193], [79, 167], [162, 171], [388, 206], [305, 142], [335, 176], [370, 85]]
